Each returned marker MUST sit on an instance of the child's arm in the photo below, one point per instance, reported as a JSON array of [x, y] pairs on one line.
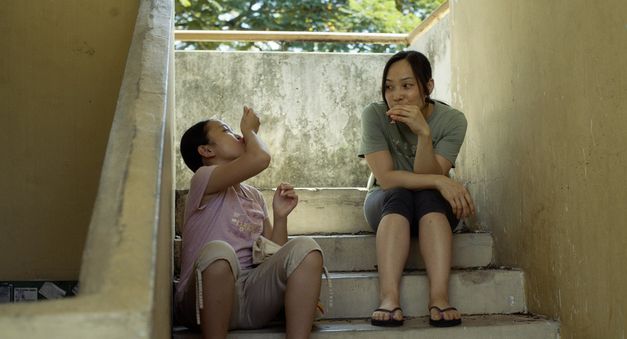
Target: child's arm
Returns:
[[284, 201], [255, 159]]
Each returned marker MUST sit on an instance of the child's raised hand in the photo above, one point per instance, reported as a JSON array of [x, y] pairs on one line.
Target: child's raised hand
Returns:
[[284, 201], [250, 121]]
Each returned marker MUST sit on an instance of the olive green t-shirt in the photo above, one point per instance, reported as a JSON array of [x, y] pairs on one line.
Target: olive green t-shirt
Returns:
[[448, 128]]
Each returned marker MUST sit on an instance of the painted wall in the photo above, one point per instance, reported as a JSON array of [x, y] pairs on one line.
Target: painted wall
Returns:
[[310, 108], [60, 73], [544, 87]]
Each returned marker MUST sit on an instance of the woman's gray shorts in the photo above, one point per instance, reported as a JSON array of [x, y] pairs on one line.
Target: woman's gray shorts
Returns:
[[413, 205]]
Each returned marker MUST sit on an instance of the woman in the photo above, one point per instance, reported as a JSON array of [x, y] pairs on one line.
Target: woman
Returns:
[[410, 143]]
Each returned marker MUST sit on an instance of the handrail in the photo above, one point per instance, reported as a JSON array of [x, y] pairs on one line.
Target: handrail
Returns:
[[345, 37], [373, 38]]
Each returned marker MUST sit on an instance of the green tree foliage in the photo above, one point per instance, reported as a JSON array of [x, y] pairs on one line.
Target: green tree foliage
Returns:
[[375, 16]]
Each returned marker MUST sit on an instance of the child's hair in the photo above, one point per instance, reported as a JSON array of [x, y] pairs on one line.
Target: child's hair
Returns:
[[192, 138], [420, 66]]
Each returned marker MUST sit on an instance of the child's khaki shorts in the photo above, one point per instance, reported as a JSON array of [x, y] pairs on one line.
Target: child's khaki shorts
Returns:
[[259, 292]]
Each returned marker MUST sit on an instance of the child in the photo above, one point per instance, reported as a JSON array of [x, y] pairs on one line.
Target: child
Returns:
[[220, 289]]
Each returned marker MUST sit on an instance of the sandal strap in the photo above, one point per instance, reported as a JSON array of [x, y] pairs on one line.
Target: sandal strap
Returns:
[[388, 311], [450, 308]]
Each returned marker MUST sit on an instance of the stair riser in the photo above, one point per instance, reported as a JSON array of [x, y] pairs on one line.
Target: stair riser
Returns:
[[535, 331], [326, 211], [472, 292], [358, 253], [330, 210], [478, 327]]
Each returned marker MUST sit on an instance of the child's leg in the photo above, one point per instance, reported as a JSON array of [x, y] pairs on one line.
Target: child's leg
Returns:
[[301, 296], [290, 278], [210, 293], [218, 289]]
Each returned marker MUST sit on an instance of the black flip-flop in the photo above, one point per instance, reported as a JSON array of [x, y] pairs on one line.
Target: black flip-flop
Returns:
[[443, 322], [390, 322]]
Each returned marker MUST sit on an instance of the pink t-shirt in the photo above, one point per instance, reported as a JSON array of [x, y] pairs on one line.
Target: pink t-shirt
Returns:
[[234, 215]]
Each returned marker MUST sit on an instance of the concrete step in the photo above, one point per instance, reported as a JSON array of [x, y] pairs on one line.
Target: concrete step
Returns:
[[489, 291], [358, 252], [473, 327], [320, 210]]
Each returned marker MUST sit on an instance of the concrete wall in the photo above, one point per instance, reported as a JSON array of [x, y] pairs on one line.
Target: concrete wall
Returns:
[[60, 73], [435, 43], [126, 270], [310, 106], [544, 87]]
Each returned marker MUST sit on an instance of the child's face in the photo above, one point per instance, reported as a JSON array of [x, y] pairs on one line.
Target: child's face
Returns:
[[227, 145]]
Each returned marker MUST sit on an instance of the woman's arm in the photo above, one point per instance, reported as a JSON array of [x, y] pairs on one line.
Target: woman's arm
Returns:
[[425, 161], [382, 167]]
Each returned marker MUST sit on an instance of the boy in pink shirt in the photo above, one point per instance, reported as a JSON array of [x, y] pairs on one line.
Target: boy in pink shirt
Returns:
[[220, 288]]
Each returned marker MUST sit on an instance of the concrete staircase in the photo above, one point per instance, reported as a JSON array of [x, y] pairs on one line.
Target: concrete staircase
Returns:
[[491, 299]]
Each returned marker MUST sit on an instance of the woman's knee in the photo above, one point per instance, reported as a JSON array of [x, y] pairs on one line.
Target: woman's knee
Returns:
[[396, 195], [432, 217], [393, 222], [431, 208], [399, 201]]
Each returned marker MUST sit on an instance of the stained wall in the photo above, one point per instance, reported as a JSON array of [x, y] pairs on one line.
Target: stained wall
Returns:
[[60, 72], [309, 104], [544, 87]]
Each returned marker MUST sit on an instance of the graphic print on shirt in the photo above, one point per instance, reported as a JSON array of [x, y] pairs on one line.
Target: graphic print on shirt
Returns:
[[248, 223], [403, 148]]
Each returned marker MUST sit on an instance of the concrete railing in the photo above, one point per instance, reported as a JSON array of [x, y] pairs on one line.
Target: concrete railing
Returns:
[[347, 37], [125, 279]]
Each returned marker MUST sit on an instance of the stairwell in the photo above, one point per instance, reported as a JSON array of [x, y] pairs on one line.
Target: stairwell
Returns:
[[491, 299], [309, 105]]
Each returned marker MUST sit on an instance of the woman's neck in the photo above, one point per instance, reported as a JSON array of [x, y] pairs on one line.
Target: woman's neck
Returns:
[[428, 110]]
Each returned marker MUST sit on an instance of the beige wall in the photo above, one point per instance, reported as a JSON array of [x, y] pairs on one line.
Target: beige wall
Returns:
[[435, 43], [60, 71], [544, 87]]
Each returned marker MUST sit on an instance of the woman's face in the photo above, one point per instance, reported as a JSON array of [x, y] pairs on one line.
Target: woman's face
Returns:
[[401, 87]]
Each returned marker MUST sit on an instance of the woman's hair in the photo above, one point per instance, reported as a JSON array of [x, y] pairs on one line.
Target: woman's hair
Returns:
[[420, 66], [192, 138]]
